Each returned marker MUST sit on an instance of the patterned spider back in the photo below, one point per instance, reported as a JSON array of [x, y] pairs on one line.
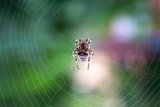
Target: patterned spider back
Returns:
[[83, 46]]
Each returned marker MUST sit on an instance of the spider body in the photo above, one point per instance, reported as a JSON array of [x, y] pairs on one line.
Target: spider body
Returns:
[[82, 49], [82, 56]]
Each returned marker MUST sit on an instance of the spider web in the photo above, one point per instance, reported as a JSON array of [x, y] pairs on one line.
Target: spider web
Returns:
[[29, 76]]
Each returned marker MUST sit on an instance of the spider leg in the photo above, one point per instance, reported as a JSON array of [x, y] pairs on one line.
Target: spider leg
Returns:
[[75, 57], [89, 60], [80, 40], [89, 57], [91, 53], [76, 62], [89, 42], [76, 43]]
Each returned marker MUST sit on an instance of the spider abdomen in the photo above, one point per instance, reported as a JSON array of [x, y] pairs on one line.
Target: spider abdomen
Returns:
[[83, 55]]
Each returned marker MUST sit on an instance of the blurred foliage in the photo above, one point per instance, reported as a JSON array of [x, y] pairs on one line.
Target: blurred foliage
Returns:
[[36, 42]]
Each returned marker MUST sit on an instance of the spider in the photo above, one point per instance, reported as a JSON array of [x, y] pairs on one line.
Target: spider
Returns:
[[82, 49]]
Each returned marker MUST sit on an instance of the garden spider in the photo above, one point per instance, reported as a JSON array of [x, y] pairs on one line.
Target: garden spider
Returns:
[[82, 49]]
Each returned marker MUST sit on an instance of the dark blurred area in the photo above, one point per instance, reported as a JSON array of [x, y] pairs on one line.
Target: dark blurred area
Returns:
[[37, 38]]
